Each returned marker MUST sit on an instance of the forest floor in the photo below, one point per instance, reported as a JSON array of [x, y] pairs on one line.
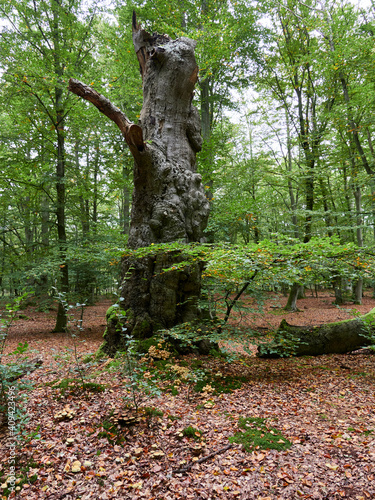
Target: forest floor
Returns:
[[321, 411]]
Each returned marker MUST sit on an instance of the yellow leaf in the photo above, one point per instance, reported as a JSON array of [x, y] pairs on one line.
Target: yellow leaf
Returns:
[[136, 486], [332, 466]]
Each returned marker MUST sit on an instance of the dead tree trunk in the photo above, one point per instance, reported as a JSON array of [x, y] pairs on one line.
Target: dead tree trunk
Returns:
[[332, 338], [169, 203]]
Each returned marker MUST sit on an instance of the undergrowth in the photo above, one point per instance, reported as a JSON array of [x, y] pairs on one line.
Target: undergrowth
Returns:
[[74, 387], [192, 432]]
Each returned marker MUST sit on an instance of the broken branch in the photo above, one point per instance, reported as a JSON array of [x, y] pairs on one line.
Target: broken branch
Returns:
[[132, 133], [183, 470]]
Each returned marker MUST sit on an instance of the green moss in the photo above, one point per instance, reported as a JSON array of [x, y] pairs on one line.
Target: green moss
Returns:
[[142, 329], [174, 390], [192, 432], [100, 352], [111, 432], [112, 312], [153, 412], [74, 386], [258, 435], [173, 417], [196, 363], [223, 385], [144, 345], [89, 358]]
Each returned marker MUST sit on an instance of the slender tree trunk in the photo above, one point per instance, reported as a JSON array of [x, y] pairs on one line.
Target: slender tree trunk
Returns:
[[61, 320], [291, 304], [83, 202], [358, 287], [326, 207], [45, 222], [337, 287], [348, 201], [29, 235], [292, 197]]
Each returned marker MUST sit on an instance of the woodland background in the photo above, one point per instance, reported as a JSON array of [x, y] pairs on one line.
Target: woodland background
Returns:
[[286, 97]]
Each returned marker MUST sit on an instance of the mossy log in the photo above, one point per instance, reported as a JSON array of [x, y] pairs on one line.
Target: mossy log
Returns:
[[332, 338]]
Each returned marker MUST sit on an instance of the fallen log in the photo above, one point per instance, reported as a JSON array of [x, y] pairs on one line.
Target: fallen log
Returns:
[[332, 338]]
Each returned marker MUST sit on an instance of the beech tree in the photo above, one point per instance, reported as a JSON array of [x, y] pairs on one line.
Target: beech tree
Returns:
[[42, 43], [169, 203]]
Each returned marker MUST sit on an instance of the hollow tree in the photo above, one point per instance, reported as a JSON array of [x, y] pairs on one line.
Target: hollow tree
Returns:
[[169, 203]]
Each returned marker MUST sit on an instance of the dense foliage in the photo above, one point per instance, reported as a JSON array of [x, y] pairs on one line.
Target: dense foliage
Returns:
[[285, 96]]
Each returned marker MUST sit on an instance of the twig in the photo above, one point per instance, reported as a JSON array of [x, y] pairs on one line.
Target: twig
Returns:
[[185, 469]]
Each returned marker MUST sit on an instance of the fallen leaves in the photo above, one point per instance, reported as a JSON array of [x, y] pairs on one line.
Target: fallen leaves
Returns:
[[325, 411]]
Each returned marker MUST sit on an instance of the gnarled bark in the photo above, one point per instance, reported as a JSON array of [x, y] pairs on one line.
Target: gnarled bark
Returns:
[[169, 203], [333, 338]]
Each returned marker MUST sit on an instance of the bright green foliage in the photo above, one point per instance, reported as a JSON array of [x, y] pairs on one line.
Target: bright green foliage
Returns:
[[258, 435], [299, 164], [65, 182], [233, 270]]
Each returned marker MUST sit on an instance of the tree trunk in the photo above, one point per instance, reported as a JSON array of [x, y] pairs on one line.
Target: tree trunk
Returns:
[[291, 304], [169, 203], [332, 338], [358, 287], [61, 319], [337, 287]]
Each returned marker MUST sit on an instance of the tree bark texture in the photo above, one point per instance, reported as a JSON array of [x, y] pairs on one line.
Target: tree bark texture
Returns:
[[331, 338], [169, 203]]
